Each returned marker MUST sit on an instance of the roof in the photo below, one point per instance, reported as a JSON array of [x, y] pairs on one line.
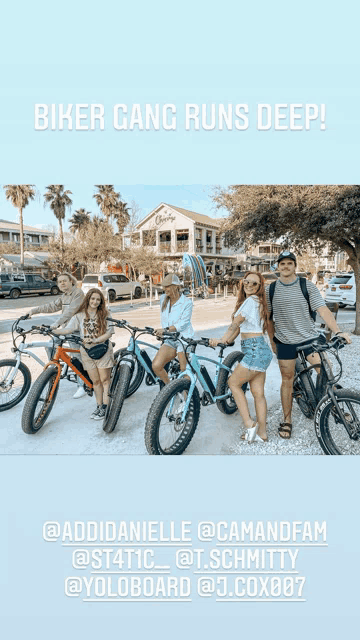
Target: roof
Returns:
[[8, 225], [195, 217], [28, 261]]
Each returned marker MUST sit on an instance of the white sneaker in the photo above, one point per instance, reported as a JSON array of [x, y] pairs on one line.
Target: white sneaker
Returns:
[[79, 393]]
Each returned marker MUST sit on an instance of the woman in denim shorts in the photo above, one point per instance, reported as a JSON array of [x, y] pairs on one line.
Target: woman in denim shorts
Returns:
[[250, 318], [176, 311]]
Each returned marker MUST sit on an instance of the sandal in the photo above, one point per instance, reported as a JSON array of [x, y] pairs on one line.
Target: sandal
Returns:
[[285, 430]]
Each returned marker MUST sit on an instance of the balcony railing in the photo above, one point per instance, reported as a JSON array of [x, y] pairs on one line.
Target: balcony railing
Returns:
[[209, 248], [182, 245], [165, 247]]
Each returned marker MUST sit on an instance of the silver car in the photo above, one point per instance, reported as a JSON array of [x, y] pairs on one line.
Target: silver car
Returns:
[[113, 285]]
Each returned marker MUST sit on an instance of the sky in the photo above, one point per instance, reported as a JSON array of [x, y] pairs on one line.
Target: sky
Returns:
[[194, 197]]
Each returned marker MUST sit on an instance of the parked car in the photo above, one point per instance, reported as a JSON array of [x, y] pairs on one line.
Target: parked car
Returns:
[[113, 285], [15, 285], [341, 289]]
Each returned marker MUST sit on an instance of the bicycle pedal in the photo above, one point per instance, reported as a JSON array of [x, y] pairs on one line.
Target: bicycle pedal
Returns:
[[149, 380], [205, 400], [89, 391]]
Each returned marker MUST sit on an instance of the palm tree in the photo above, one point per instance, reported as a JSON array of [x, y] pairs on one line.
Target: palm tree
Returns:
[[20, 196], [59, 201], [122, 216], [107, 200], [80, 218]]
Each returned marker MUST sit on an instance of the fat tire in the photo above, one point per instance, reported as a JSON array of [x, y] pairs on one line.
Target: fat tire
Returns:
[[227, 406], [27, 420], [121, 385], [305, 407], [137, 376], [322, 420], [155, 414], [137, 292], [26, 385]]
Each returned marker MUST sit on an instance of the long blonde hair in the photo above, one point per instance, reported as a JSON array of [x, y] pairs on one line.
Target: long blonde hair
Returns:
[[261, 295], [167, 298]]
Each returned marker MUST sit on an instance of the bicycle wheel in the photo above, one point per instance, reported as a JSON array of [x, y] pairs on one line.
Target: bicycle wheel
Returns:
[[137, 376], [303, 393], [332, 434], [40, 401], [227, 406], [165, 433], [12, 393], [118, 394]]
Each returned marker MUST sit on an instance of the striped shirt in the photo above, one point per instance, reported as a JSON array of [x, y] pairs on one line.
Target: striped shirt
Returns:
[[292, 320]]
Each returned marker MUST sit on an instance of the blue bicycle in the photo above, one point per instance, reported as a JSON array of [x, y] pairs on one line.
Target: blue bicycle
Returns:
[[132, 364], [174, 414]]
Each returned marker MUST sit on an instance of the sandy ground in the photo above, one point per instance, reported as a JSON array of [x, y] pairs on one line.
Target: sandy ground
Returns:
[[69, 429]]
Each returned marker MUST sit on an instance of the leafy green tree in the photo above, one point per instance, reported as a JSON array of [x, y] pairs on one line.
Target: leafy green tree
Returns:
[[107, 200], [58, 200], [302, 216], [122, 216], [79, 219], [20, 196]]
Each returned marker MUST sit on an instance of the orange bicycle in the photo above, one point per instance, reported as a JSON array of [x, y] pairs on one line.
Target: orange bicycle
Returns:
[[42, 395]]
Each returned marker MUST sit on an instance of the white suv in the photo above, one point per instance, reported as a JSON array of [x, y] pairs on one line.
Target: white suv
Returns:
[[113, 285], [342, 289]]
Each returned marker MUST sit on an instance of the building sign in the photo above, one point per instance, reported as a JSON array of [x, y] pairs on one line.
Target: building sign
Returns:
[[160, 219]]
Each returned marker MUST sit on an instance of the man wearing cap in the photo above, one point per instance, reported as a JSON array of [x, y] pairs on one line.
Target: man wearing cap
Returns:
[[176, 311], [291, 301]]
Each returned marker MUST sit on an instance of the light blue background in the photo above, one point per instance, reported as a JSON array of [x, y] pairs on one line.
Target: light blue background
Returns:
[[189, 52]]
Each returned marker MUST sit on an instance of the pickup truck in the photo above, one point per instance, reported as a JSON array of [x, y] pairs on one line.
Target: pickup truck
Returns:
[[14, 285]]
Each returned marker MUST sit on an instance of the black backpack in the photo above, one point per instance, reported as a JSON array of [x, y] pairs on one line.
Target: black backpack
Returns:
[[304, 291]]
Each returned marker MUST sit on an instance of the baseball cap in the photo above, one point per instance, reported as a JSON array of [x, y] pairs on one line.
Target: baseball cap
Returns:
[[286, 255], [171, 278]]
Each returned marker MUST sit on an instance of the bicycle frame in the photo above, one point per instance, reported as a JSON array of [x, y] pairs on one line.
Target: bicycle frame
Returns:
[[133, 348], [323, 380], [193, 372], [61, 354]]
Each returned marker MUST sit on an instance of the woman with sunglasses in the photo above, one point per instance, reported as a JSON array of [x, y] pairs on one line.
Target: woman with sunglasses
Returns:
[[250, 318]]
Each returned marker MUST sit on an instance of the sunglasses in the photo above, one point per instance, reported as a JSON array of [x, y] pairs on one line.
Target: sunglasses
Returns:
[[251, 283]]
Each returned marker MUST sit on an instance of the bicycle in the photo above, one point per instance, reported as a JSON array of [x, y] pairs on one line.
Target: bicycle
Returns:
[[336, 411], [129, 371], [15, 376], [42, 395], [172, 419]]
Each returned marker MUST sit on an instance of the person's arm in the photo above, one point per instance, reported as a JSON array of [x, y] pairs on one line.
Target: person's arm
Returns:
[[98, 340], [231, 332], [62, 332], [51, 307], [74, 305], [329, 319], [185, 318]]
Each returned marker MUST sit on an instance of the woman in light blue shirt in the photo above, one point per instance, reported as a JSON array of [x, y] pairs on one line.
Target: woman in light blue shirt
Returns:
[[176, 311]]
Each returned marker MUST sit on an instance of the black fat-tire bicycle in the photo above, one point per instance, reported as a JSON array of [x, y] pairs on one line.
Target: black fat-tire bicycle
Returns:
[[336, 411], [172, 419], [132, 364]]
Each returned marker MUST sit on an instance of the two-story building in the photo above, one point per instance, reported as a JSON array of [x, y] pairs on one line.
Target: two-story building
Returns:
[[172, 231], [33, 237]]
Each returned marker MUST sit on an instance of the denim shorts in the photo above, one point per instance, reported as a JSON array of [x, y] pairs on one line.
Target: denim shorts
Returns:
[[257, 354], [174, 344]]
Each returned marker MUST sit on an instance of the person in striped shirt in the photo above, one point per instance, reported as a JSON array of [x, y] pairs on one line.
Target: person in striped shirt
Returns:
[[291, 325]]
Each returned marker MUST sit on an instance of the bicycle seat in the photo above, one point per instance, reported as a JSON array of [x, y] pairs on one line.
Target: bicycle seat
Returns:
[[224, 345]]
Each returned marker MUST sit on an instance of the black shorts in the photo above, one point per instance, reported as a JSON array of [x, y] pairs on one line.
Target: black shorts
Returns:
[[288, 351]]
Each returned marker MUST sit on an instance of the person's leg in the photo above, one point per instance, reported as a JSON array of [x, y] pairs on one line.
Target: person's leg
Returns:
[[235, 382], [287, 370], [257, 388], [97, 384], [163, 356], [104, 375], [80, 392]]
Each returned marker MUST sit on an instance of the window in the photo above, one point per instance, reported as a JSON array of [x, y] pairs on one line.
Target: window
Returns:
[[38, 279], [123, 278], [90, 279]]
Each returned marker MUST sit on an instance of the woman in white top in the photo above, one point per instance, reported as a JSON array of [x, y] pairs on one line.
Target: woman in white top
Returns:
[[90, 320], [250, 317], [176, 311]]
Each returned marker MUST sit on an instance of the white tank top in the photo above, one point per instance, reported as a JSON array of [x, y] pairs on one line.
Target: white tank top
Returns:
[[250, 310]]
